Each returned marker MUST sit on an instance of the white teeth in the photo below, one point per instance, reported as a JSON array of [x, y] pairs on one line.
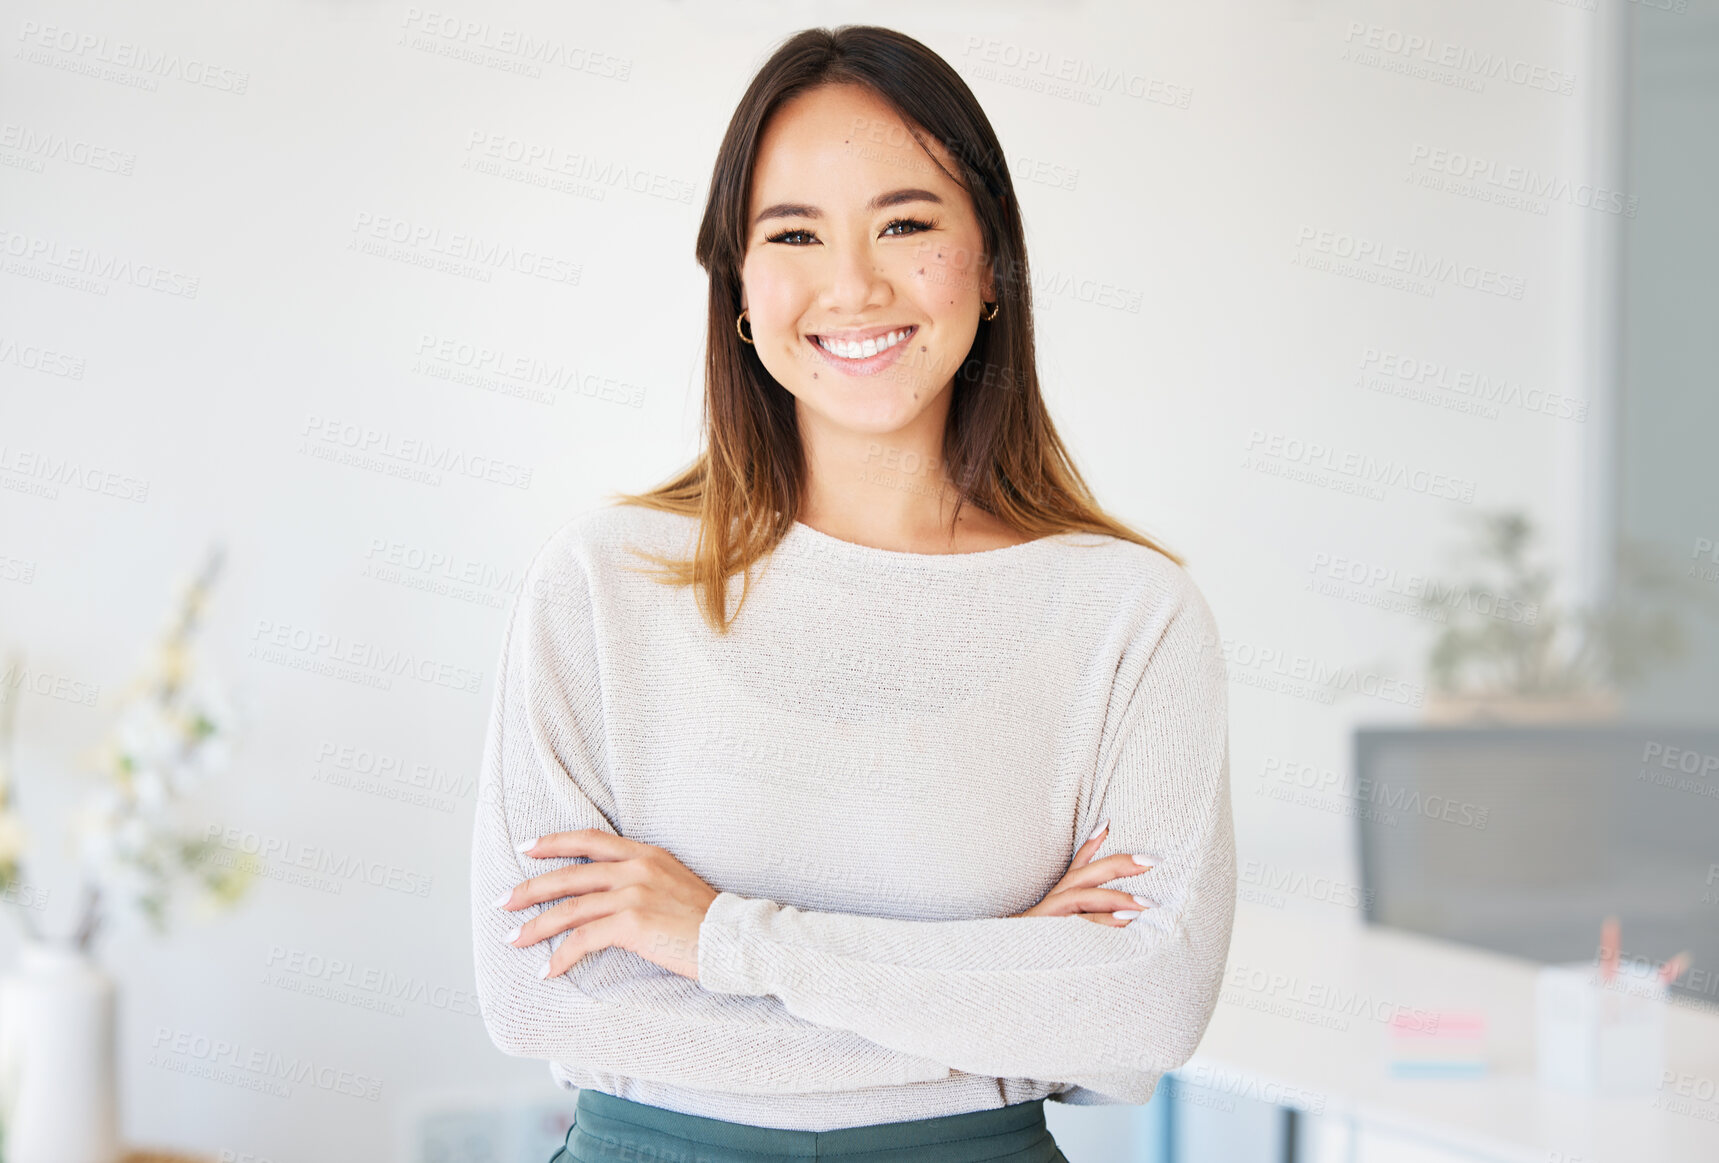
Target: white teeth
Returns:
[[864, 348]]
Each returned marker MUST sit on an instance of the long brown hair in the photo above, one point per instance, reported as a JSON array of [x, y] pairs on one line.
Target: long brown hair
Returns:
[[999, 446]]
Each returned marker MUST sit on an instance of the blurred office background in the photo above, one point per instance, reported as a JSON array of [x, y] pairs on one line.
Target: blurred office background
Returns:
[[1395, 318]]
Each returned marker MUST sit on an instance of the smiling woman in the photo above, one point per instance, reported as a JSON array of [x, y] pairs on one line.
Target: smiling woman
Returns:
[[811, 271], [940, 829]]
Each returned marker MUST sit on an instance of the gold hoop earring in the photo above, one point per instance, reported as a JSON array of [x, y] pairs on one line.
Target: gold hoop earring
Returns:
[[744, 338], [995, 307]]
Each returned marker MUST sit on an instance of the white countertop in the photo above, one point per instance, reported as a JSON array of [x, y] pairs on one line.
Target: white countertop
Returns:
[[1304, 1016]]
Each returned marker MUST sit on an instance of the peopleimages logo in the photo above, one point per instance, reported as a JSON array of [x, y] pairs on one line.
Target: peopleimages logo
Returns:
[[33, 357], [1459, 59], [99, 49], [95, 269], [1363, 469], [1066, 76], [1409, 262], [1293, 882], [18, 676], [254, 1067], [367, 662], [1524, 180], [1430, 373], [1704, 547], [296, 969], [455, 251], [1375, 799], [1680, 759], [1251, 664], [1338, 1001], [1373, 578], [29, 470], [361, 440], [341, 867], [47, 145], [527, 47], [1247, 1086], [437, 786], [604, 173]]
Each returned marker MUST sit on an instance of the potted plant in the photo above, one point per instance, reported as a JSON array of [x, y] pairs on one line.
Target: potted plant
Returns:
[[1509, 652], [171, 730]]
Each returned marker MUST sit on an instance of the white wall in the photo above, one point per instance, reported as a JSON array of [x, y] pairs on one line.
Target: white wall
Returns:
[[1196, 212]]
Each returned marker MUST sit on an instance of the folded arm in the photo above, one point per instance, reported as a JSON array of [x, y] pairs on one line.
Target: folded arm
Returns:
[[1043, 997], [614, 1011]]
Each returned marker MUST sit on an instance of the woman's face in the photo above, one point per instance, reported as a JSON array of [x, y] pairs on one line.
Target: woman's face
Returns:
[[857, 239]]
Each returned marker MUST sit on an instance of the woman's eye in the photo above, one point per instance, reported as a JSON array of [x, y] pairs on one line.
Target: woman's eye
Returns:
[[798, 237], [916, 223]]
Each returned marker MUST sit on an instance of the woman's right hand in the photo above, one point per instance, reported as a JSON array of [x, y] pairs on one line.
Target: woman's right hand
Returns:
[[1077, 892]]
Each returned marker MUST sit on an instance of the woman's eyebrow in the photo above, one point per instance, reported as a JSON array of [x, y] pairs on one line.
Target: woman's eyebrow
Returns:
[[802, 210]]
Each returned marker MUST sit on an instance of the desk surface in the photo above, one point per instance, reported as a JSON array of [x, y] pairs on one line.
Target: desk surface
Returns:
[[1303, 1020]]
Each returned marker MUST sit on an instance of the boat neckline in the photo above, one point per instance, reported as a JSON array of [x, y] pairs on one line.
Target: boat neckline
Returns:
[[856, 549]]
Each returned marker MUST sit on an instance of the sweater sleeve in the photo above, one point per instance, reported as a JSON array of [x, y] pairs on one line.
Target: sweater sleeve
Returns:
[[1053, 998], [543, 770]]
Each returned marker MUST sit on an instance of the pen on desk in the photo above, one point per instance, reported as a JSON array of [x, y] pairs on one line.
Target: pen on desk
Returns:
[[1673, 969], [1610, 943]]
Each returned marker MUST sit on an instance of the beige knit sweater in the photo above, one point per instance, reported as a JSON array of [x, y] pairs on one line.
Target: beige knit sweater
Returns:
[[889, 754]]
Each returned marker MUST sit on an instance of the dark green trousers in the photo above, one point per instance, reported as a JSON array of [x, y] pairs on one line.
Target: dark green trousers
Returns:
[[617, 1130]]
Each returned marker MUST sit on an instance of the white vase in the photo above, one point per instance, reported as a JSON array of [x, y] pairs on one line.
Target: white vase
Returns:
[[59, 1096]]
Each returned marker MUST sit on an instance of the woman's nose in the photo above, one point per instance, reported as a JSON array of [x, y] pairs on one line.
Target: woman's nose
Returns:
[[855, 276]]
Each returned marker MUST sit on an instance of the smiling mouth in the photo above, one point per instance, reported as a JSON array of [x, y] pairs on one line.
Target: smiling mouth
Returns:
[[864, 349]]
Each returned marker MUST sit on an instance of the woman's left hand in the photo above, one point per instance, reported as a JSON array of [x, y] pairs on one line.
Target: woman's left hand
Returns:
[[631, 896]]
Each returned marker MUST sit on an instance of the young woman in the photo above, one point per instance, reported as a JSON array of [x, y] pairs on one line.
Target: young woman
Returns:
[[865, 785]]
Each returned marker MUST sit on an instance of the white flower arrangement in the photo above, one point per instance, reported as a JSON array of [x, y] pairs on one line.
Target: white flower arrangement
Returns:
[[172, 730]]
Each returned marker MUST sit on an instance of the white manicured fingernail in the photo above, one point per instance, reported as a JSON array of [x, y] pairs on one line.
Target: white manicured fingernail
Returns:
[[525, 844], [1142, 901], [544, 972], [513, 933], [1145, 861], [501, 901], [1126, 914], [1102, 824]]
